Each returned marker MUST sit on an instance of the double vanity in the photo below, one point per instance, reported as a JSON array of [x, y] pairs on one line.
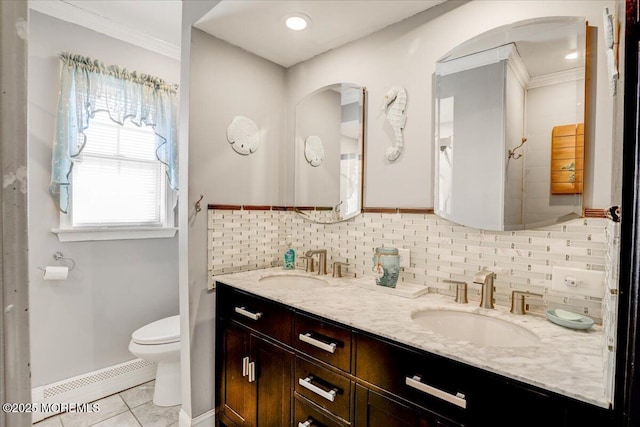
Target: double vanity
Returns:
[[302, 350], [308, 350]]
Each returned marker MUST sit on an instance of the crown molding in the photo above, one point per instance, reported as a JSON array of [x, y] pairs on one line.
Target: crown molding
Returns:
[[75, 15], [518, 67], [479, 59], [555, 78]]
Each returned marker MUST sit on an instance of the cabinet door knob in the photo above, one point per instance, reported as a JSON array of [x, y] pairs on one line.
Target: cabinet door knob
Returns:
[[245, 366], [328, 347], [306, 383], [457, 399], [246, 313]]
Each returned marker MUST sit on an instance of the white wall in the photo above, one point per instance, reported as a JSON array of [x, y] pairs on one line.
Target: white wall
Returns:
[[230, 82], [548, 106], [514, 131], [225, 82], [479, 116], [405, 54], [85, 323]]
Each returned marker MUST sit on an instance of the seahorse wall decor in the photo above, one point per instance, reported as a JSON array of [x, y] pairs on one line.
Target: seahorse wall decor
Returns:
[[395, 103]]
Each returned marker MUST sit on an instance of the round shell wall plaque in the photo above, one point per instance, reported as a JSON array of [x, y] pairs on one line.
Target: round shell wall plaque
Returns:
[[243, 135], [313, 150]]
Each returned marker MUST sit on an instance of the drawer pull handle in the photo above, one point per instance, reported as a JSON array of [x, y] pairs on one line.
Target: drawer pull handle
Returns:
[[252, 372], [457, 399], [246, 313], [245, 366], [306, 383], [307, 423], [330, 347]]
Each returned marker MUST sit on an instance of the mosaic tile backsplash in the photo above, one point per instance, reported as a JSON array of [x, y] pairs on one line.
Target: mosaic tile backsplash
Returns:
[[241, 240]]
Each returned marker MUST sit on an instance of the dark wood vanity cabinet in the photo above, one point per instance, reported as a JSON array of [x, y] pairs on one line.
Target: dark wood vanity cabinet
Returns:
[[375, 410], [255, 379], [255, 365], [277, 366], [464, 395]]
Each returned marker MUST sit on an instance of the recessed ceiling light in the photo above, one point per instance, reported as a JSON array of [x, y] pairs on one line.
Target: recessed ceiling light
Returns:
[[297, 21], [572, 55]]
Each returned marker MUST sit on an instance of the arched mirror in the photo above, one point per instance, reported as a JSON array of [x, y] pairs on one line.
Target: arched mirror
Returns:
[[329, 153], [510, 126]]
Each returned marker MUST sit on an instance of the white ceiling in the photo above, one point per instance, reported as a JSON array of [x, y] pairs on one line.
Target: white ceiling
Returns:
[[258, 25], [542, 44], [157, 18], [254, 25], [151, 24]]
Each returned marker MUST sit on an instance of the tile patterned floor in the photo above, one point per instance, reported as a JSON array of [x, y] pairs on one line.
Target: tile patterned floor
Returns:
[[130, 408]]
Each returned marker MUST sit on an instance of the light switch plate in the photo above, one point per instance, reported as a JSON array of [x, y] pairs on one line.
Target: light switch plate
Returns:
[[405, 257], [588, 282]]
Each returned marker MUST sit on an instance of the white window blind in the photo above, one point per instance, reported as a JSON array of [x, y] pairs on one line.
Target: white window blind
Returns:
[[117, 180]]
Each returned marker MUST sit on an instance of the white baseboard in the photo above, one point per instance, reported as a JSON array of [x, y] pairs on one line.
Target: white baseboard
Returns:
[[208, 419], [92, 386]]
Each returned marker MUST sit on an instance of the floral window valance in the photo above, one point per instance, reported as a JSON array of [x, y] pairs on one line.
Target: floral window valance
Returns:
[[88, 87]]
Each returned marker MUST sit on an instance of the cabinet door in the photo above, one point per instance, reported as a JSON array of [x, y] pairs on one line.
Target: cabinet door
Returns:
[[235, 394], [273, 387], [374, 410]]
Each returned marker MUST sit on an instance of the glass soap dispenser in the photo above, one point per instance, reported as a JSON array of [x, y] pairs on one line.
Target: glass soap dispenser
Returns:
[[289, 256]]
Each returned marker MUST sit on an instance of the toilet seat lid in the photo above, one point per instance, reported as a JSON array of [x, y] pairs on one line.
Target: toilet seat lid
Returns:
[[163, 331]]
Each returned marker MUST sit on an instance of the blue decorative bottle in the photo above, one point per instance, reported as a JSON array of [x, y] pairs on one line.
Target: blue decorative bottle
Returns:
[[386, 266]]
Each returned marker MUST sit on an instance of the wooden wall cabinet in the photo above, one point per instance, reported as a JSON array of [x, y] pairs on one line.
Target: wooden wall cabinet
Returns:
[[567, 159], [301, 370]]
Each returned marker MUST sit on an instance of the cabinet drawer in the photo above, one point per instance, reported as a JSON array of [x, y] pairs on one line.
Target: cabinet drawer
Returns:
[[327, 389], [323, 341], [256, 313], [428, 381], [306, 415]]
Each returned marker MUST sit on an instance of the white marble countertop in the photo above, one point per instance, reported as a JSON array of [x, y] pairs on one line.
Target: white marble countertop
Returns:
[[569, 362]]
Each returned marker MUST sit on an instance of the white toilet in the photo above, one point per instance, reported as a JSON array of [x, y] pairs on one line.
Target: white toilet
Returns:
[[159, 342]]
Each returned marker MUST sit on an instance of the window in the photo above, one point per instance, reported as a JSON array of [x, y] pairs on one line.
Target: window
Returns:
[[118, 185], [114, 169], [117, 180]]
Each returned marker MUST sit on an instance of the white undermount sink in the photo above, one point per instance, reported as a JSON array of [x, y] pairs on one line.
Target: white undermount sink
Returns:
[[292, 281], [475, 328]]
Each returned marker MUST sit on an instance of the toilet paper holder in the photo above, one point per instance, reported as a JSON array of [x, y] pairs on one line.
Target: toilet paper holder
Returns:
[[58, 256]]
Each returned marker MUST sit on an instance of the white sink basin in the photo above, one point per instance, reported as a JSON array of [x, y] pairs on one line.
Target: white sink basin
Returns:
[[292, 281], [475, 328]]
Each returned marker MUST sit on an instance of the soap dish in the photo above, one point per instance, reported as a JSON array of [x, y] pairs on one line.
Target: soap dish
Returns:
[[404, 290], [568, 319]]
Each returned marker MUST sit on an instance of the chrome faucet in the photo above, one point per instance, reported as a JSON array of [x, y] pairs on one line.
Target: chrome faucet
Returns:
[[485, 278], [517, 301], [322, 259]]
